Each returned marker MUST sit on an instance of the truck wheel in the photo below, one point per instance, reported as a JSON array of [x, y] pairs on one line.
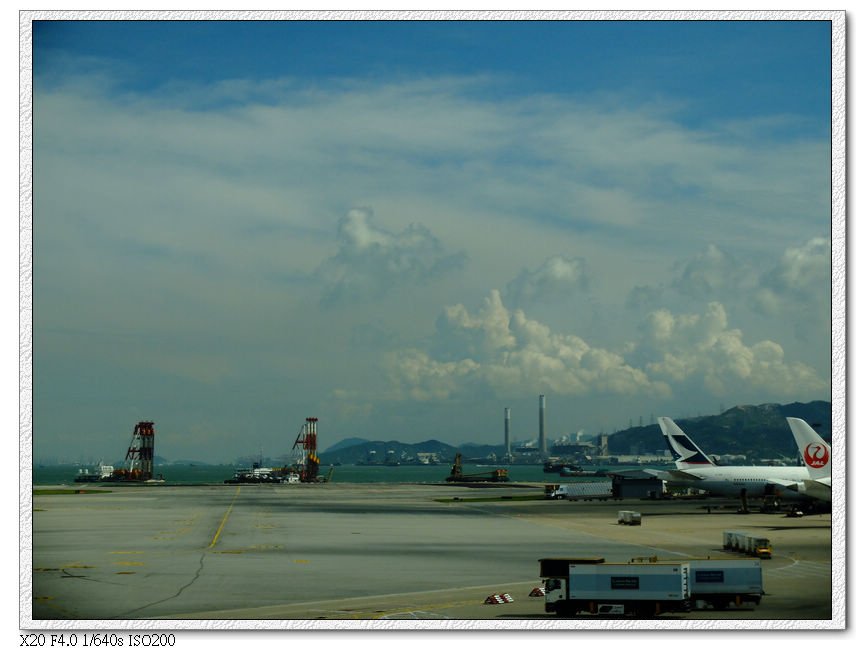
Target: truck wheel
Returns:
[[563, 611]]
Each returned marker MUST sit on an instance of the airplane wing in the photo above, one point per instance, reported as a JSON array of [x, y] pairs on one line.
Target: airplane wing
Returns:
[[678, 475], [819, 490], [790, 485], [813, 489], [682, 475]]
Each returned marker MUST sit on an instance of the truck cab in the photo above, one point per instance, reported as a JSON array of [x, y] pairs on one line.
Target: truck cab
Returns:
[[555, 590]]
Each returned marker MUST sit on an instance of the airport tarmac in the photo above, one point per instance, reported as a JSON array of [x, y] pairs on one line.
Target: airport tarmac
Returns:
[[362, 552]]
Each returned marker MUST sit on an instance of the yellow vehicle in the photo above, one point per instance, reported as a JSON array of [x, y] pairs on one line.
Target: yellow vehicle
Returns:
[[763, 552]]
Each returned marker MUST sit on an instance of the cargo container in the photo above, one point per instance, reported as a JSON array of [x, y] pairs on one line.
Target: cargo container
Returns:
[[723, 582], [590, 585], [583, 490], [747, 543]]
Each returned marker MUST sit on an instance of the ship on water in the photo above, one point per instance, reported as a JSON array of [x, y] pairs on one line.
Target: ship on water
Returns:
[[259, 474], [139, 457], [304, 469], [95, 476]]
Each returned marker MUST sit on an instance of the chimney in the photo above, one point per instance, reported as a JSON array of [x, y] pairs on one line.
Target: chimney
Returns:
[[508, 432], [542, 439]]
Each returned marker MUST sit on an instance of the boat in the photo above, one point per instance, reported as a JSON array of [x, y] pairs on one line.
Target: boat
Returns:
[[456, 476], [258, 474], [87, 476]]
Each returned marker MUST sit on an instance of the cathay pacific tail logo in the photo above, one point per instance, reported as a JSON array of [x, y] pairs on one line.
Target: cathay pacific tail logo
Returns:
[[685, 450], [816, 455]]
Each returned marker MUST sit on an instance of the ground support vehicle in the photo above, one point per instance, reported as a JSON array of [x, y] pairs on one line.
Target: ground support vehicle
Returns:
[[590, 585], [747, 543], [630, 518], [582, 490], [723, 582]]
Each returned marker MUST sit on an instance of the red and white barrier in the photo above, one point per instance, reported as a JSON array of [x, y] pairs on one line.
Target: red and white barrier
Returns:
[[498, 599]]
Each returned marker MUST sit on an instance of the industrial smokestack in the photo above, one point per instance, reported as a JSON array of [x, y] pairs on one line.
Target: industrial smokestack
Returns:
[[508, 431], [542, 439]]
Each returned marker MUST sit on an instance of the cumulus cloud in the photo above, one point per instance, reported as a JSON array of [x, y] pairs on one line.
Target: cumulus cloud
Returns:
[[245, 172], [785, 295], [509, 353], [800, 281], [709, 274], [558, 276], [644, 297], [372, 260], [686, 348]]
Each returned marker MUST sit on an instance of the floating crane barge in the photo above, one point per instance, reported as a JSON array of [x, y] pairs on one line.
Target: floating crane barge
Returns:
[[456, 476], [139, 461], [304, 466]]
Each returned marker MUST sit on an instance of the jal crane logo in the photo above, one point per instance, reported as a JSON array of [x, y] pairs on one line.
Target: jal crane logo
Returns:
[[816, 455]]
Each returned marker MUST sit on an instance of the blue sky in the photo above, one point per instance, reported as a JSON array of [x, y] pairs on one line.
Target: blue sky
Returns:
[[402, 228], [779, 66]]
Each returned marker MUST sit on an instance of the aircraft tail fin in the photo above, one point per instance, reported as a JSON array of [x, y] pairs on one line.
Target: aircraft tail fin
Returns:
[[815, 451], [686, 453]]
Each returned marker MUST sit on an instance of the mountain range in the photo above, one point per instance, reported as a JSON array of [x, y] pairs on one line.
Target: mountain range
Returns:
[[756, 432]]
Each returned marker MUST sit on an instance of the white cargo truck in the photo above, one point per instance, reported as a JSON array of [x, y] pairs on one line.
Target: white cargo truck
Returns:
[[723, 582], [590, 585], [582, 490]]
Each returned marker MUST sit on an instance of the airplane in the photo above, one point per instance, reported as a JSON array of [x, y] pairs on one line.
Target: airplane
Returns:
[[817, 455], [696, 469]]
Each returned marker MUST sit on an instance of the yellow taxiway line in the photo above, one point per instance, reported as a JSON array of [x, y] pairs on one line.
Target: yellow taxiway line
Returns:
[[224, 519]]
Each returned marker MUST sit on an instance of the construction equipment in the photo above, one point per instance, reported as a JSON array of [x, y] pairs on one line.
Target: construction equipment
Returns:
[[457, 476], [304, 449], [139, 456]]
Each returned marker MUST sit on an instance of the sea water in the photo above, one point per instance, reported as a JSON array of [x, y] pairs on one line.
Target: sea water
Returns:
[[192, 474]]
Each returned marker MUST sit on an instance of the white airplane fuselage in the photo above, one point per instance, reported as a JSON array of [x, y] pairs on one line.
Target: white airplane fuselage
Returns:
[[731, 480]]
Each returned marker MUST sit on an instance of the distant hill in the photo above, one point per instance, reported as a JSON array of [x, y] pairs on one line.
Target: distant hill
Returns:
[[756, 432], [393, 450], [183, 461], [347, 442]]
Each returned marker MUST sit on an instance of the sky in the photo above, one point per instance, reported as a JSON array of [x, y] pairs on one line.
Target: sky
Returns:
[[403, 228]]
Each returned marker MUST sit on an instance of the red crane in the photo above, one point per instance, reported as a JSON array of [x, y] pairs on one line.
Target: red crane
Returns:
[[305, 451]]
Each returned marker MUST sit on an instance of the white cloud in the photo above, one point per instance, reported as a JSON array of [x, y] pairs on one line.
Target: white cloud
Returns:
[[208, 214], [799, 282], [372, 260], [556, 278], [783, 295], [710, 274], [510, 354], [702, 348]]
